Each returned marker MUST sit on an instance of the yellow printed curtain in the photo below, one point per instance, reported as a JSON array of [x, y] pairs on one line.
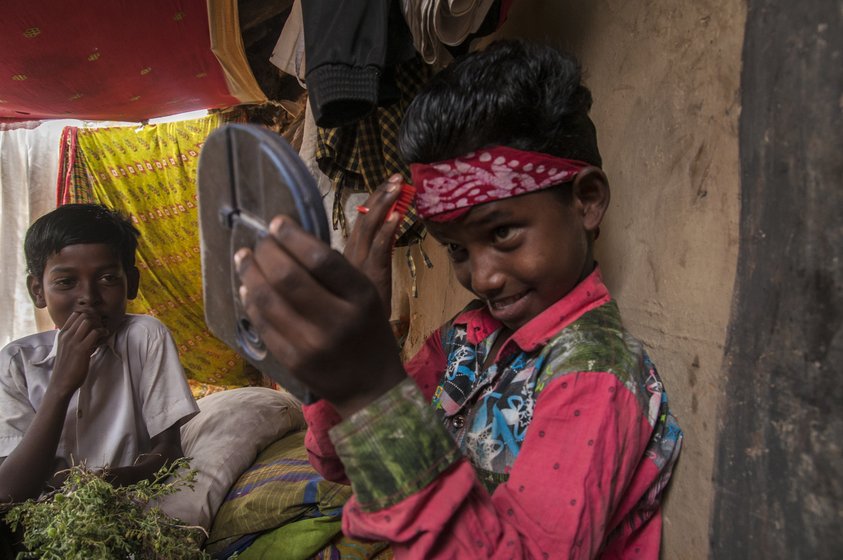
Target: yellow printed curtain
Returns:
[[149, 174]]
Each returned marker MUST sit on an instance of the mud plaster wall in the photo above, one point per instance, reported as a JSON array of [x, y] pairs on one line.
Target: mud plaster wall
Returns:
[[665, 78]]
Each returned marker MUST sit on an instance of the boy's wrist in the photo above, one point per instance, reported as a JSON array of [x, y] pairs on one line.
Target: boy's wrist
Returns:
[[58, 394], [394, 447], [357, 402]]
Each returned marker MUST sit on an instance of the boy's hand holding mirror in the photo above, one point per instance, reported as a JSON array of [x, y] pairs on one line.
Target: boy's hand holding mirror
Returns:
[[320, 316]]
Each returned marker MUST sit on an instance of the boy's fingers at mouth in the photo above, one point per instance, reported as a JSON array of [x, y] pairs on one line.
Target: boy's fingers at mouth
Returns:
[[84, 324], [91, 339], [91, 320], [72, 322]]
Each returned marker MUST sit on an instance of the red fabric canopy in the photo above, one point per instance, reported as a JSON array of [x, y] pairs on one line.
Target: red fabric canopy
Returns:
[[122, 60]]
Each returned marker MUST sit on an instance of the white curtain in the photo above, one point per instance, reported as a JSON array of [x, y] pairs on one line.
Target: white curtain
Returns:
[[28, 172]]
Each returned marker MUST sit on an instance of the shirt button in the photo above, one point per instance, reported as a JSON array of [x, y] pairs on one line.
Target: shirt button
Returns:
[[458, 422], [79, 413]]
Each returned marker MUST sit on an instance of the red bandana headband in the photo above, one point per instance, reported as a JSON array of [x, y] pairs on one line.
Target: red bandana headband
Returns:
[[447, 189]]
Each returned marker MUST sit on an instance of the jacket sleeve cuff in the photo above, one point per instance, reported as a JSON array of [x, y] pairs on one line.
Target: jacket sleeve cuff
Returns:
[[393, 448], [341, 94]]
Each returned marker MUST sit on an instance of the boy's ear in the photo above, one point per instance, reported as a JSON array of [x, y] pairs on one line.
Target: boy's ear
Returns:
[[36, 291], [132, 282], [591, 194]]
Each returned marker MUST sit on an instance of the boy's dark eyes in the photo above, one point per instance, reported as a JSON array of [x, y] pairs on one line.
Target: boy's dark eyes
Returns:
[[456, 252], [68, 282], [502, 233]]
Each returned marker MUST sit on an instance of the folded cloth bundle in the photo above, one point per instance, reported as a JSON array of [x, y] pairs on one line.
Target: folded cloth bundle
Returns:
[[435, 23]]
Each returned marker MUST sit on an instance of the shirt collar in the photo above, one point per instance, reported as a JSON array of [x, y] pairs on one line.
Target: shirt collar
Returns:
[[52, 355], [587, 295]]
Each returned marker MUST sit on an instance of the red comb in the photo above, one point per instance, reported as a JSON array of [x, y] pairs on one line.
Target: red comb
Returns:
[[402, 203]]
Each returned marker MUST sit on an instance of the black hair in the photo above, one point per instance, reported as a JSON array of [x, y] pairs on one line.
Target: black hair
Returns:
[[74, 224], [515, 93]]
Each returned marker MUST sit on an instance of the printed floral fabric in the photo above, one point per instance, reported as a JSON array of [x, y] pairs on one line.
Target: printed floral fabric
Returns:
[[73, 186], [149, 174], [567, 441]]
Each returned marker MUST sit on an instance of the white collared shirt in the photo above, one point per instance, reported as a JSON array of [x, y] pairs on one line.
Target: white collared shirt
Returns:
[[135, 390]]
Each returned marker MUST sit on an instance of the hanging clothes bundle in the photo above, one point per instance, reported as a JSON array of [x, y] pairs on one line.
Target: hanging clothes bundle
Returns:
[[360, 156], [350, 48], [362, 63], [442, 28]]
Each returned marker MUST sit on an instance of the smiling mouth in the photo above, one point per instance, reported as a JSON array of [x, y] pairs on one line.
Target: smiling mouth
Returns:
[[503, 303]]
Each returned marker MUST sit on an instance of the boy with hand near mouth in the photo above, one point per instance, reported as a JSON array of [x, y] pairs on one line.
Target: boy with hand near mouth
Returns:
[[531, 425], [107, 388]]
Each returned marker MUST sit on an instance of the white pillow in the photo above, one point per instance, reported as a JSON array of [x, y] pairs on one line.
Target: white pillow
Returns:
[[223, 440]]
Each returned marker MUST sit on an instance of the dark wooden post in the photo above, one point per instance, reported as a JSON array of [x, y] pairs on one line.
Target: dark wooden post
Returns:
[[779, 469]]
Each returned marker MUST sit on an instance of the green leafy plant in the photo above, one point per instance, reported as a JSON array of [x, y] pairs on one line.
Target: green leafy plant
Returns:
[[88, 518]]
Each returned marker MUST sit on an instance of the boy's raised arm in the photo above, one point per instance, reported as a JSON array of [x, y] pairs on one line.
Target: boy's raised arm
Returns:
[[369, 246], [369, 250], [26, 470]]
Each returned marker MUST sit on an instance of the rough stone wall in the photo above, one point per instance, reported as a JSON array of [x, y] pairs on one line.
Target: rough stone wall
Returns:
[[665, 78]]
